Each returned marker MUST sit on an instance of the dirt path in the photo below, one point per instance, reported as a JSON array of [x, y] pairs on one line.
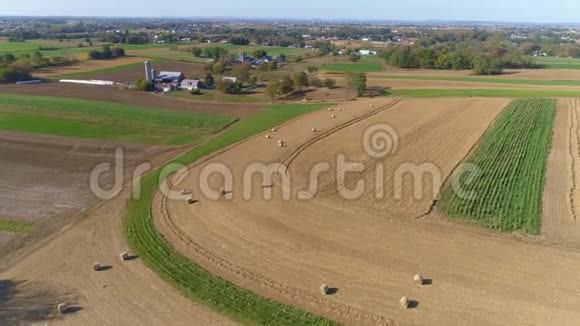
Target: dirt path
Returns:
[[286, 249], [127, 294]]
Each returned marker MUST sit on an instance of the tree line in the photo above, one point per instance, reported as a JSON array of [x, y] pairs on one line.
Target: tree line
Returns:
[[481, 58]]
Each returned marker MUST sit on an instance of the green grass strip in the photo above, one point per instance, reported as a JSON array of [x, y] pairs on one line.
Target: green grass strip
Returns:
[[353, 67], [191, 279], [15, 226], [506, 192], [452, 92]]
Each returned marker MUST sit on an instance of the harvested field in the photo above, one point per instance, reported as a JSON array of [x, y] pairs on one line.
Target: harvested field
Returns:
[[507, 170], [450, 126], [49, 175], [286, 249], [561, 201], [127, 294], [121, 96]]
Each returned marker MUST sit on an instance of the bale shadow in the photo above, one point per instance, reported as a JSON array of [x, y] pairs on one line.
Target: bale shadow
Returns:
[[27, 302], [427, 282], [105, 268], [132, 257], [413, 304], [332, 291]]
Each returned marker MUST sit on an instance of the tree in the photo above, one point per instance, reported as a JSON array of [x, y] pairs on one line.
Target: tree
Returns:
[[354, 57], [209, 80], [272, 89], [13, 74], [259, 54], [143, 85], [329, 83], [300, 79], [118, 52], [312, 69], [272, 65], [218, 68], [229, 87], [314, 81], [358, 82], [95, 55], [486, 65], [107, 52], [242, 71], [253, 80], [238, 40], [286, 86], [460, 61], [196, 52]]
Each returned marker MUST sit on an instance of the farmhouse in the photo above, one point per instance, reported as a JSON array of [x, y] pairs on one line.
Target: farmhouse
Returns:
[[191, 84]]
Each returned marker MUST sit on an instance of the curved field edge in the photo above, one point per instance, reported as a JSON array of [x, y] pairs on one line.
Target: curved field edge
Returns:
[[187, 276], [505, 189]]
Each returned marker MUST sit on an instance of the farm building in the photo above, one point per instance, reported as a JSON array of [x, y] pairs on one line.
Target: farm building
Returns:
[[170, 77], [232, 79], [367, 52], [191, 84]]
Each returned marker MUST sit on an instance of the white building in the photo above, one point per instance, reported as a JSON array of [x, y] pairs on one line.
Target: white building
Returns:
[[367, 52]]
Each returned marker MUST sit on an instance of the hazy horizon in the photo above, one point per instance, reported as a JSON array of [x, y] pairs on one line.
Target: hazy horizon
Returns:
[[532, 11]]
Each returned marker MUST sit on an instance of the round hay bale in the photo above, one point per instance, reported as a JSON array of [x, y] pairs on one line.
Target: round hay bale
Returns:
[[371, 106], [274, 130], [124, 255], [268, 136], [329, 109], [62, 308], [404, 302], [324, 289], [96, 267], [313, 129], [418, 279], [339, 109], [281, 144], [333, 116]]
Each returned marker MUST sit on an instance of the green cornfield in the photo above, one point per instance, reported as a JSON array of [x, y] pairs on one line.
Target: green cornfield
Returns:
[[504, 192]]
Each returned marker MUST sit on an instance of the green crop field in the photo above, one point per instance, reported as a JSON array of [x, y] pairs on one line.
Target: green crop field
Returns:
[[103, 120], [15, 226], [505, 192], [490, 80], [353, 67], [450, 92], [190, 278]]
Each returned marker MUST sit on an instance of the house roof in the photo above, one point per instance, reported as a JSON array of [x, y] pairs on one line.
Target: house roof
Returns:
[[169, 74]]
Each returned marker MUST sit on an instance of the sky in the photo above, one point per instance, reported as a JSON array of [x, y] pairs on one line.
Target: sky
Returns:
[[535, 11]]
